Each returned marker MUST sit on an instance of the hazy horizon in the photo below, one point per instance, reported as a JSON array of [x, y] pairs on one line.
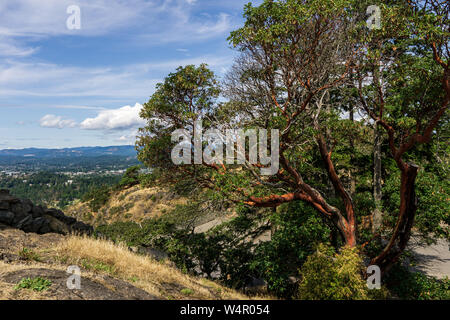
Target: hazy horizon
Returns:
[[75, 147]]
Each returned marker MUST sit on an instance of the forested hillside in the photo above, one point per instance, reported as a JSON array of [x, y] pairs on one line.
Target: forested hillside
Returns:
[[54, 189]]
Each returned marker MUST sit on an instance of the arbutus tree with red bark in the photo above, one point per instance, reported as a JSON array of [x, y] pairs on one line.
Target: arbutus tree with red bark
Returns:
[[403, 85], [298, 59]]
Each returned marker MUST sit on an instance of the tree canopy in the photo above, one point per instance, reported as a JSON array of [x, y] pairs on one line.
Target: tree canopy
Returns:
[[362, 115]]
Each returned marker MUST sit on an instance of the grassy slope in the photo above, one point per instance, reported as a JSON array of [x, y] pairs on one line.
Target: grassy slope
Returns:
[[157, 278], [97, 257], [134, 204]]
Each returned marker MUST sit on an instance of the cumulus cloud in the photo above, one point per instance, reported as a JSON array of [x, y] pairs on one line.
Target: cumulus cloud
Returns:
[[115, 119], [52, 121], [129, 138]]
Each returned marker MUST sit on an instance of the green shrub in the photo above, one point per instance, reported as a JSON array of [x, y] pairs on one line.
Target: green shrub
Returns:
[[416, 286], [149, 180], [97, 197], [298, 229], [432, 218], [330, 276], [115, 210], [95, 265], [35, 284], [129, 179], [187, 291], [150, 233], [28, 254]]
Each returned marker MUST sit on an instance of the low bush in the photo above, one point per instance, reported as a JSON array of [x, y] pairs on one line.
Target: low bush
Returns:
[[129, 179], [29, 254], [97, 197], [35, 284], [327, 275], [409, 285]]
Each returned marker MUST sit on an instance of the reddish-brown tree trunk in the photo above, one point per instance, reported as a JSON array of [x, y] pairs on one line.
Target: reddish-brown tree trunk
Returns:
[[402, 230]]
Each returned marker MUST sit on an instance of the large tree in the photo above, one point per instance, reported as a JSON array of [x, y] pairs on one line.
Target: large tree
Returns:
[[403, 77], [301, 65]]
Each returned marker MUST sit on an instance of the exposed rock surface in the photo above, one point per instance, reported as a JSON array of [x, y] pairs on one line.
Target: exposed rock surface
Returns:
[[110, 289], [24, 215]]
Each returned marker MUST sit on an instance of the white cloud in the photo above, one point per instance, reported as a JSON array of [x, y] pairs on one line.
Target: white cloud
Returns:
[[52, 121], [11, 48], [185, 28], [128, 138], [43, 18], [115, 119], [150, 22], [220, 26], [137, 81]]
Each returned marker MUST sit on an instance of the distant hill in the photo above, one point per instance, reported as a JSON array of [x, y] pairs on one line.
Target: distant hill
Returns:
[[122, 151], [68, 159]]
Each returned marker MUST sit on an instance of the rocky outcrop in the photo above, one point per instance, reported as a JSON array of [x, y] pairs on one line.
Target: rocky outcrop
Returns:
[[110, 289], [24, 215]]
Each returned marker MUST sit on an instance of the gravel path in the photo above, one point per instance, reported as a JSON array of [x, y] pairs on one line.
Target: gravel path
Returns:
[[432, 260]]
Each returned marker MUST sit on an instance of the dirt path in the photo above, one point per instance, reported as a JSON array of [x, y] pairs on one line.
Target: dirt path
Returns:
[[432, 260]]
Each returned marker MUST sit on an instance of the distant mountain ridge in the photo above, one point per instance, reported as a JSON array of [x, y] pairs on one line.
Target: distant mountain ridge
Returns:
[[124, 151]]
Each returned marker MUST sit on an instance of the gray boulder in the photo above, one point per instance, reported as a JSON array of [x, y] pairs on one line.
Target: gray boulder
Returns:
[[24, 215], [80, 227], [23, 206], [4, 205], [38, 211], [25, 224], [6, 217]]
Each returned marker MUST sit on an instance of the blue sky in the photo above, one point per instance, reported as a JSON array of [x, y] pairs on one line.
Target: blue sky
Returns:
[[83, 87]]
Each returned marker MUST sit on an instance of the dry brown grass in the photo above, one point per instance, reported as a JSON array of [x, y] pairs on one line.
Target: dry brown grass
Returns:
[[135, 204], [156, 278]]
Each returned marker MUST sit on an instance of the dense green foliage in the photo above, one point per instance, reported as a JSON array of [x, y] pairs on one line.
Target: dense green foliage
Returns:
[[348, 101], [178, 101], [130, 178], [330, 276], [416, 286], [54, 189], [433, 218], [297, 231], [97, 197]]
